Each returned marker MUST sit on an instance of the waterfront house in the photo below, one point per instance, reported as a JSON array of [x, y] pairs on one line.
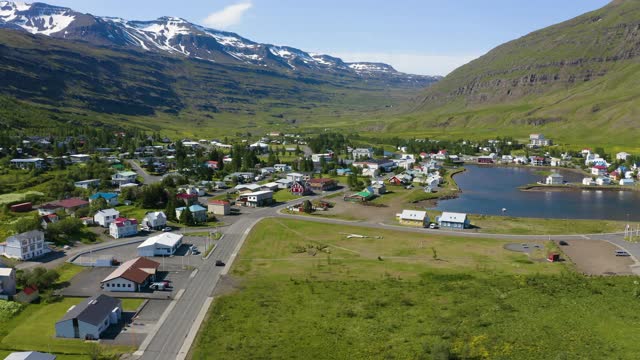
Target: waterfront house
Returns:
[[537, 161], [413, 218], [555, 179], [588, 182], [602, 180], [89, 319], [626, 182], [599, 170], [452, 220]]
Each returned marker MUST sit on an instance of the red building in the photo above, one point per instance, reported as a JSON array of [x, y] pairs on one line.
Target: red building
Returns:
[[24, 207], [298, 188]]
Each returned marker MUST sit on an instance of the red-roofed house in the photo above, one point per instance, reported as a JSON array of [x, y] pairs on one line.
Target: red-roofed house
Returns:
[[131, 276], [219, 207], [599, 170], [48, 219], [68, 205], [123, 227]]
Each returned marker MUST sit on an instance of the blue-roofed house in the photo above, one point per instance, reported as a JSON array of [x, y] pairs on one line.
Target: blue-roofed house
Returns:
[[199, 213], [344, 172], [110, 198]]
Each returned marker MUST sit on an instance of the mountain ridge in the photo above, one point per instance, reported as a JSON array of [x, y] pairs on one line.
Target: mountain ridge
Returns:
[[176, 36]]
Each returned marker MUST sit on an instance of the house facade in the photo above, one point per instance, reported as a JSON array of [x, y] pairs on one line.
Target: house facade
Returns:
[[414, 218], [555, 179], [110, 198], [165, 244], [123, 178], [7, 282], [105, 217], [198, 212], [299, 188], [539, 140], [156, 220], [131, 276], [219, 207], [89, 319], [455, 221], [34, 163], [25, 246], [87, 184], [257, 199], [122, 227], [322, 184]]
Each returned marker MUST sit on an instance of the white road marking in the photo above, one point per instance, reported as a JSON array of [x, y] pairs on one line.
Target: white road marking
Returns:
[[193, 274], [188, 341]]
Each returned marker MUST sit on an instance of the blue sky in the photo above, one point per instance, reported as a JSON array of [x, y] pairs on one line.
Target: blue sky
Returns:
[[415, 36]]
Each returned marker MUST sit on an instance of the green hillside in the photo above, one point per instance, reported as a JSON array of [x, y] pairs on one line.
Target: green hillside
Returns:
[[49, 82], [576, 81]]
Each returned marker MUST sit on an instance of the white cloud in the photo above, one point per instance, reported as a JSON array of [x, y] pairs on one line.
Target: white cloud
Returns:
[[228, 16], [422, 64]]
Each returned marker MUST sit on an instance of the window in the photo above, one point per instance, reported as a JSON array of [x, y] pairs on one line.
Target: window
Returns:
[[108, 285], [128, 285], [118, 285]]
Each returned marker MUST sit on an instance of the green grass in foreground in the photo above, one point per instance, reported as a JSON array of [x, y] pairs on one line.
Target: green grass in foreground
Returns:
[[476, 302], [33, 329], [284, 196]]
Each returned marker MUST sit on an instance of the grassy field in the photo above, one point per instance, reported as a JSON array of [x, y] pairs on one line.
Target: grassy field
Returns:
[[283, 196], [33, 329], [476, 301]]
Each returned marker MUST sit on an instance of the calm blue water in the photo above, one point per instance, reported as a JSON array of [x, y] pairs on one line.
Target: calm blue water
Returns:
[[486, 190]]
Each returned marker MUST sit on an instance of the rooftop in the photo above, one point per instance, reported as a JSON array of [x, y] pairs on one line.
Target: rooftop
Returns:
[[93, 310], [166, 239], [136, 270]]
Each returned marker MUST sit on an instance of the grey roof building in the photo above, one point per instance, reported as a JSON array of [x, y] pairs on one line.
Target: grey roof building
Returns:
[[90, 318]]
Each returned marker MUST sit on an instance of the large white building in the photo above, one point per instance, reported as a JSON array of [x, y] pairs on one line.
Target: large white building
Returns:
[[122, 227], [24, 246], [164, 244], [105, 217], [155, 220]]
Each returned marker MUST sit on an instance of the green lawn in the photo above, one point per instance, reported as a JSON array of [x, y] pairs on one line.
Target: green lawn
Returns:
[[33, 329], [284, 196], [476, 301]]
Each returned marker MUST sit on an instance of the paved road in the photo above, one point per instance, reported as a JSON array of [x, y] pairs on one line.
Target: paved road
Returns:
[[148, 179]]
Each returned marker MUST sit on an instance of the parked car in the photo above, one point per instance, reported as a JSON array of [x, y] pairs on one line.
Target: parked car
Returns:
[[167, 229], [162, 286], [563, 243], [220, 263], [433, 226], [622, 253]]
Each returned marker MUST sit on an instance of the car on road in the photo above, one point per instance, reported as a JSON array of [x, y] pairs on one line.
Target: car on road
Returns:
[[622, 253], [563, 243], [220, 263], [66, 247], [167, 229], [433, 226]]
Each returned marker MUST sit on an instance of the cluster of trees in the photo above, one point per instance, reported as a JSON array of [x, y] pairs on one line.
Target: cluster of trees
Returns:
[[41, 278], [355, 183], [338, 143]]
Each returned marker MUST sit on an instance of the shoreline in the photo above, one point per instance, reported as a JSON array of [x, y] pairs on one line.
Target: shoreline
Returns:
[[573, 170], [575, 187]]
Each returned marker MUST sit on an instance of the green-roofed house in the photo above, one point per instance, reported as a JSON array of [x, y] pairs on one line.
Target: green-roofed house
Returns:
[[363, 196], [124, 178], [118, 167]]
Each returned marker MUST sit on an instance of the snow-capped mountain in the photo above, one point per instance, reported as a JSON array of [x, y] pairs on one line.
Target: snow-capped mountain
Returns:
[[179, 37]]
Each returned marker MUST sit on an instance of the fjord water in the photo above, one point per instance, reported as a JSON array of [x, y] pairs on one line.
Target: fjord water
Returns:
[[486, 190]]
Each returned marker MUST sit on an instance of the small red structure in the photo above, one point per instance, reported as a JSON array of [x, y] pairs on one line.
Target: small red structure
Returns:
[[553, 257], [24, 207]]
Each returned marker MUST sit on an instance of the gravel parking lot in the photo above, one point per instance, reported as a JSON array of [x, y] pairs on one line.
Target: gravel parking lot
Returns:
[[594, 257]]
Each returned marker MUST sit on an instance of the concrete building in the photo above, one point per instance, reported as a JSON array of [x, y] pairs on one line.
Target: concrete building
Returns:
[[123, 227], [131, 276], [89, 319], [165, 244], [219, 207], [105, 217], [155, 220], [7, 282], [25, 246], [414, 218], [257, 199], [453, 221], [362, 153]]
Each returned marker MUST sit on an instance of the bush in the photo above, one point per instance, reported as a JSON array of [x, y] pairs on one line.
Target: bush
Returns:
[[39, 277], [9, 309]]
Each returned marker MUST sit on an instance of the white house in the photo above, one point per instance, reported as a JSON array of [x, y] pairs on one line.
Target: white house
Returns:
[[626, 182], [25, 246], [89, 319], [131, 276], [539, 140], [555, 179], [80, 158], [622, 156], [282, 167], [588, 181], [453, 220], [37, 163], [257, 199], [122, 227], [7, 282], [86, 184], [295, 177], [156, 220], [165, 244], [284, 183], [105, 217], [362, 153], [599, 170], [414, 218], [123, 178], [198, 212], [603, 181]]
